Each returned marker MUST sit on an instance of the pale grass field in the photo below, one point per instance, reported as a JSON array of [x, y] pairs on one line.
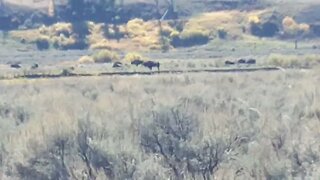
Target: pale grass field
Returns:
[[258, 125]]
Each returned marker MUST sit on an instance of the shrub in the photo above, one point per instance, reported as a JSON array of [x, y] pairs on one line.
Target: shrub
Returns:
[[266, 29], [135, 27], [292, 29], [189, 37], [194, 37], [42, 43], [169, 135], [61, 28], [85, 60], [222, 33], [105, 56], [133, 56], [254, 19]]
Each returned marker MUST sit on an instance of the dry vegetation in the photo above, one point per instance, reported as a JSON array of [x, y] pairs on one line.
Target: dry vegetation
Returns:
[[244, 126], [293, 61]]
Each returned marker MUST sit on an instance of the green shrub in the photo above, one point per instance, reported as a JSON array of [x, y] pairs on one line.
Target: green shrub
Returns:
[[42, 43], [189, 37], [105, 56], [222, 33]]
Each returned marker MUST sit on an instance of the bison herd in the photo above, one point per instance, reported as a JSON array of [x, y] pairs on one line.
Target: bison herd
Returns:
[[241, 62], [148, 64], [17, 65]]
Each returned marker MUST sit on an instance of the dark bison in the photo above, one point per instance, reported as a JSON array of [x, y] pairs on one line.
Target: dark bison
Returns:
[[15, 65], [151, 64], [117, 64], [251, 61], [137, 62], [34, 66], [229, 63], [241, 61]]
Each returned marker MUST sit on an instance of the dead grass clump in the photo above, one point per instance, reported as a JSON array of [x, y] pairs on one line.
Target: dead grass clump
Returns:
[[86, 60], [292, 28], [105, 56], [293, 61]]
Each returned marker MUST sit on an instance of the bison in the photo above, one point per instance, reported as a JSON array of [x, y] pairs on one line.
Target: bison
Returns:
[[151, 64], [137, 62], [34, 66], [251, 61], [117, 64], [241, 61], [15, 65], [229, 63]]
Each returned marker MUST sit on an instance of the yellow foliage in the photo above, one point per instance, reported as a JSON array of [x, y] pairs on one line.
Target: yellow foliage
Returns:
[[292, 28], [194, 32], [133, 56], [289, 23], [105, 56], [254, 19], [304, 27], [103, 44], [60, 28], [85, 60], [174, 34], [136, 27]]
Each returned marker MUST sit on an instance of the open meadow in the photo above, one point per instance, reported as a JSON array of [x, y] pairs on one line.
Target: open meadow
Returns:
[[257, 125]]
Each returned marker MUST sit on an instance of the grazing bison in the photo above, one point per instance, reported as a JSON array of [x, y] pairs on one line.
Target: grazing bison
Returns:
[[15, 65], [117, 64], [35, 66], [251, 61], [151, 64], [229, 63], [241, 61], [137, 62]]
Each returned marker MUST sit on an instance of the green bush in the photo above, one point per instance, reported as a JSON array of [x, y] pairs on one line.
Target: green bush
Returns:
[[105, 56], [189, 37], [222, 33], [42, 43]]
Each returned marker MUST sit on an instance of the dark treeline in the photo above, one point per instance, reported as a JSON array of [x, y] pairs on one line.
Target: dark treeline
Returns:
[[105, 11]]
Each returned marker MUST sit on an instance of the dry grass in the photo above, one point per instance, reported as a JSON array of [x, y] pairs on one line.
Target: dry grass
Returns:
[[274, 116], [294, 61]]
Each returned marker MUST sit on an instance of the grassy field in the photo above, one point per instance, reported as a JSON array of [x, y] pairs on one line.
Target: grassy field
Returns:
[[226, 126]]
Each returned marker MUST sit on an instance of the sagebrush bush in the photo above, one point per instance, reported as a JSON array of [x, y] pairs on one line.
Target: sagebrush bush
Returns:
[[189, 37], [105, 56], [85, 60], [42, 43], [292, 28], [222, 33], [132, 56], [254, 19]]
